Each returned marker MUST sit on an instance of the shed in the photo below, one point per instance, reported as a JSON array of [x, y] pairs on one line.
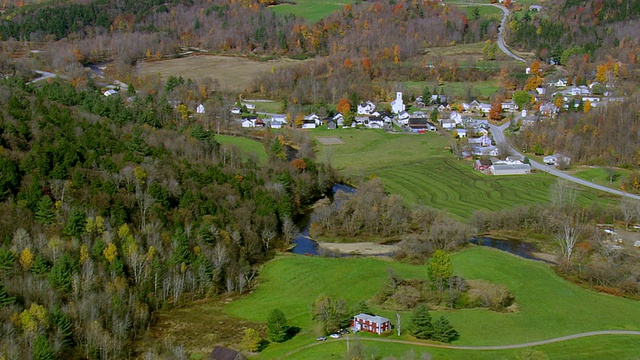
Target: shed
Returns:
[[223, 353]]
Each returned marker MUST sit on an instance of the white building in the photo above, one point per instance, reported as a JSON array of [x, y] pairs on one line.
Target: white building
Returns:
[[200, 109], [397, 105]]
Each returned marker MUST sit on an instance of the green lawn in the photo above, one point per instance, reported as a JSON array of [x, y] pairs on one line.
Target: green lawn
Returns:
[[248, 146], [272, 107], [312, 10], [548, 305], [601, 176], [422, 171], [593, 348]]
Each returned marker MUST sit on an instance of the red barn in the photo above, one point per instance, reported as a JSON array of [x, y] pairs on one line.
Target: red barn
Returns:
[[370, 323]]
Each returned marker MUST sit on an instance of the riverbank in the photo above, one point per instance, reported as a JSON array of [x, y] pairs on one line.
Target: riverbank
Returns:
[[362, 248]]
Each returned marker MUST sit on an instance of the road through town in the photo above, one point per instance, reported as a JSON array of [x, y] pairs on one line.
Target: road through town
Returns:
[[499, 138]]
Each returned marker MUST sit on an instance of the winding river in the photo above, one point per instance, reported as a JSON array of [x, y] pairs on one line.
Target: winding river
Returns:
[[305, 245]]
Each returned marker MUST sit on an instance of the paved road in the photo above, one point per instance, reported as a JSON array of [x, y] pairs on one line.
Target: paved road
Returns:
[[501, 43], [483, 348], [498, 136], [43, 76]]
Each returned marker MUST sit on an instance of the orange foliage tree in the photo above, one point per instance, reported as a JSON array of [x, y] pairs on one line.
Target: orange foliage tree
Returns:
[[343, 106]]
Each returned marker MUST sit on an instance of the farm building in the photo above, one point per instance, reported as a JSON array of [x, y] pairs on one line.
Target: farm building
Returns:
[[370, 323], [482, 164], [510, 169], [223, 353]]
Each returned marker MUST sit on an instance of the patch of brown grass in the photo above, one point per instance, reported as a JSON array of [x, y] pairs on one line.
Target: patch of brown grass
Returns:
[[232, 73], [198, 326]]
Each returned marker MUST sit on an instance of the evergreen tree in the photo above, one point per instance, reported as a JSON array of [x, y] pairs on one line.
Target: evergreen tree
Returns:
[[44, 211], [40, 266], [421, 326], [76, 224], [6, 259], [61, 272], [277, 326], [5, 299], [42, 349], [63, 323], [443, 331], [362, 308]]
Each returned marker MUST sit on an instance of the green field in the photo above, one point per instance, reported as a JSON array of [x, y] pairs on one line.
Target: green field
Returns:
[[272, 107], [247, 146], [483, 88], [312, 10], [422, 171], [601, 176], [548, 305]]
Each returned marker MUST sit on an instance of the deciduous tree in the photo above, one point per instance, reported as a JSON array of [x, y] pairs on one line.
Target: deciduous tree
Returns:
[[277, 326]]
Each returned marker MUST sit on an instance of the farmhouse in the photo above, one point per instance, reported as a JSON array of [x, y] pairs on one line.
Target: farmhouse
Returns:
[[370, 323], [366, 108]]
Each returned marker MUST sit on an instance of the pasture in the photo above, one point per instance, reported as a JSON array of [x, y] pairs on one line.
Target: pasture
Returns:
[[232, 73], [422, 170], [479, 89], [247, 146], [548, 305], [311, 10]]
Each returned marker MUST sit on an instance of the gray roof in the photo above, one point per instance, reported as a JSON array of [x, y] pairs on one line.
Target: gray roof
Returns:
[[511, 167], [371, 318]]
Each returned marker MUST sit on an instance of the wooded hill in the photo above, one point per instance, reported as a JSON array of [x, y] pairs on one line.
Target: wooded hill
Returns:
[[104, 219]]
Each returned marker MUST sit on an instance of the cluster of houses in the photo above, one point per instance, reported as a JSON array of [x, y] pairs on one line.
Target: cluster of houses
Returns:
[[512, 165]]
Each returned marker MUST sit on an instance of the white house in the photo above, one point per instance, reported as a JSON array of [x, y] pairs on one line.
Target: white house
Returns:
[[509, 106], [461, 132], [366, 108], [236, 111], [397, 106], [276, 124], [457, 118], [556, 159], [535, 8], [279, 118], [249, 107], [248, 123], [485, 108], [313, 117], [200, 109], [339, 119], [403, 117]]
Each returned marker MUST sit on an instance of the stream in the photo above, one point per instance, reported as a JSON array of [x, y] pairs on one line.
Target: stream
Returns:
[[305, 245]]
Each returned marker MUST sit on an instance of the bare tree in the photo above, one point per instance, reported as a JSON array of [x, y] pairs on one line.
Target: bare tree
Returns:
[[563, 194], [629, 209], [289, 230], [570, 230]]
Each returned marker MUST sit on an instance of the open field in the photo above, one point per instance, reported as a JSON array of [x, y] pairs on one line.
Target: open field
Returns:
[[601, 175], [464, 54], [271, 107], [548, 305], [423, 171], [593, 348], [232, 73], [483, 88], [312, 10], [248, 146]]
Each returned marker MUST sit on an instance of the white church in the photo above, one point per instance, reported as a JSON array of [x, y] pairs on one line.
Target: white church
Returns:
[[397, 106]]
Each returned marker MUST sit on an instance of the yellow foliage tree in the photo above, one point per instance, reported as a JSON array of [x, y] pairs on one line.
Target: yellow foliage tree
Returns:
[[299, 120], [26, 258], [587, 106], [110, 253], [33, 318], [84, 253]]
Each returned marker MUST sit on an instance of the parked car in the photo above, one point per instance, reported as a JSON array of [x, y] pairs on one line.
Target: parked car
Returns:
[[335, 336], [344, 331], [322, 338]]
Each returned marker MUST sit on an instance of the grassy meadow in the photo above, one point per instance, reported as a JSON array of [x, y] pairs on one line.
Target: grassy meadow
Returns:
[[247, 146], [482, 88], [423, 171], [312, 10], [548, 305]]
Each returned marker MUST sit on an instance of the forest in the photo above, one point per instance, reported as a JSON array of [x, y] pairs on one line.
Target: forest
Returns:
[[105, 218]]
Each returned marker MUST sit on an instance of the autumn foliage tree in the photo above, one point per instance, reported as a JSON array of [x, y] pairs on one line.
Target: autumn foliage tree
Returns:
[[343, 106]]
